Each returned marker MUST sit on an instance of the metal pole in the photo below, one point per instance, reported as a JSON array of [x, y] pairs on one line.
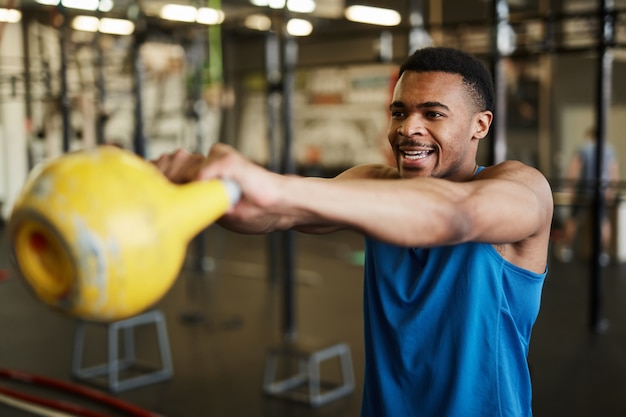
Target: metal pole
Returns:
[[65, 101], [501, 16], [546, 78], [28, 94], [100, 88], [418, 36], [273, 74], [101, 92], [280, 74], [599, 324], [139, 138], [290, 56], [203, 262]]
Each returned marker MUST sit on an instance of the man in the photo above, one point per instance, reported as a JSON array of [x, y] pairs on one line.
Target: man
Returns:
[[581, 174], [456, 255]]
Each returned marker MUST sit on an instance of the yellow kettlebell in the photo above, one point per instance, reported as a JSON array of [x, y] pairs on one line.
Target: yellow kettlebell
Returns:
[[101, 234]]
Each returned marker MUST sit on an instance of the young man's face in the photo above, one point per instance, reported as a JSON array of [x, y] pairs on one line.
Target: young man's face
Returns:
[[435, 128]]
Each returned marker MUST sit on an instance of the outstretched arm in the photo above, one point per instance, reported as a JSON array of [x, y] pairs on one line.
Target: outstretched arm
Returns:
[[504, 204]]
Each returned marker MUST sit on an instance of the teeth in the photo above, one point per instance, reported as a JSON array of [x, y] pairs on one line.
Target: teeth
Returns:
[[414, 155]]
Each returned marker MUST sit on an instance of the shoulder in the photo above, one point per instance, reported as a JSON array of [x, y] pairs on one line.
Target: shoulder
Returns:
[[526, 180], [527, 188], [520, 173], [517, 171], [370, 171]]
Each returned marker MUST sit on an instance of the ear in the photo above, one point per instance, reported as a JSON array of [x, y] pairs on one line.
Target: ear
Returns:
[[482, 123]]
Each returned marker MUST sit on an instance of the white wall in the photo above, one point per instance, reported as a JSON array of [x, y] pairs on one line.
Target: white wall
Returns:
[[339, 113]]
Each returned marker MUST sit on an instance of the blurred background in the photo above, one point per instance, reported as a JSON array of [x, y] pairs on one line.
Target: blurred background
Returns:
[[303, 86]]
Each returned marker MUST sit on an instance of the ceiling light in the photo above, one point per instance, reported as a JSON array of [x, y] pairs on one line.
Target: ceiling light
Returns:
[[104, 25], [10, 15], [86, 23], [179, 12], [81, 4], [373, 15], [105, 5], [299, 27], [276, 4], [209, 16], [301, 6], [116, 26], [258, 22], [102, 5]]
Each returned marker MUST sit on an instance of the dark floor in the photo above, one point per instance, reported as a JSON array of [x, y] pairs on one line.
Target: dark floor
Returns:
[[222, 322]]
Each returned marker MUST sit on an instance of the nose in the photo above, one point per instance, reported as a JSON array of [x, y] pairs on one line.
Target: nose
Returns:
[[411, 125]]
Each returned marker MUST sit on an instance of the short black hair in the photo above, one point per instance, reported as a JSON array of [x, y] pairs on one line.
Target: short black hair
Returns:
[[440, 59]]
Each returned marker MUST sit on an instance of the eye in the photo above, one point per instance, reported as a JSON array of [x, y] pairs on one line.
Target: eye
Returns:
[[397, 114], [434, 114]]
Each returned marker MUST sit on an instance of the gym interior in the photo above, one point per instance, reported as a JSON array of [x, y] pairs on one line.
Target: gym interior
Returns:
[[272, 325]]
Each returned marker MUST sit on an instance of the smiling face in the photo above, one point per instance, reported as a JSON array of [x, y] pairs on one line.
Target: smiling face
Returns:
[[435, 126]]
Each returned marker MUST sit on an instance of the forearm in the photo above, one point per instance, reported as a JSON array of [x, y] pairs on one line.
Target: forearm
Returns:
[[274, 202], [420, 212], [285, 209]]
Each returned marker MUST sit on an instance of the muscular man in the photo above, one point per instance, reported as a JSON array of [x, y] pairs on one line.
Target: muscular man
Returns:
[[456, 253]]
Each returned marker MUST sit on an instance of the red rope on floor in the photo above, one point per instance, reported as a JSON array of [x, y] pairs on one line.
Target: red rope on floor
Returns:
[[70, 388], [63, 406]]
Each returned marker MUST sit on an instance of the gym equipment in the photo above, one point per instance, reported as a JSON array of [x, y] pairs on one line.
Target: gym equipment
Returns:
[[306, 384], [101, 234], [124, 331]]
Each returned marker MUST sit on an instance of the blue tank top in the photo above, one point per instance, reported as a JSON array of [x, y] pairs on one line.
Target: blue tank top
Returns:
[[447, 331]]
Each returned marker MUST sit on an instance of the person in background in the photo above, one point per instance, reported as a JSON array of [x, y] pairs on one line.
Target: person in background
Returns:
[[456, 253], [581, 175]]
